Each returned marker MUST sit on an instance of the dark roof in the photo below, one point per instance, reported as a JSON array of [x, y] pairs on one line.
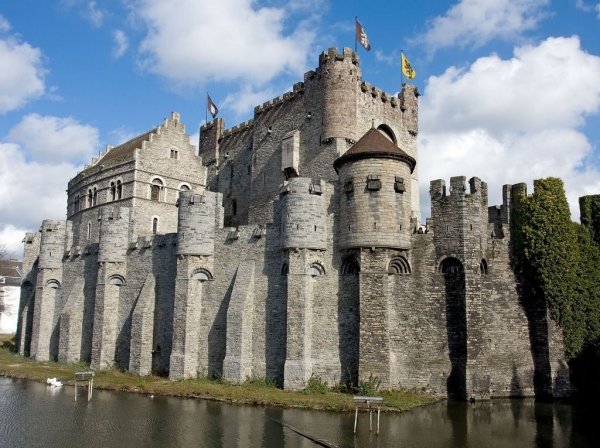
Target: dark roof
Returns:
[[126, 151], [374, 145], [10, 271]]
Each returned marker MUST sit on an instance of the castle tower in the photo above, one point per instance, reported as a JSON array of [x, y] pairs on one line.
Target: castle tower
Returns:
[[375, 213], [409, 105], [44, 335], [304, 236], [210, 134], [112, 257], [197, 219], [460, 220], [339, 79]]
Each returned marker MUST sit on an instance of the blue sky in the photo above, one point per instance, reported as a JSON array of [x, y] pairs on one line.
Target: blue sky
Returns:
[[510, 89]]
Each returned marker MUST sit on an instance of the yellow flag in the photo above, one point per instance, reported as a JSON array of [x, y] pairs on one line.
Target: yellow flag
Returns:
[[407, 69]]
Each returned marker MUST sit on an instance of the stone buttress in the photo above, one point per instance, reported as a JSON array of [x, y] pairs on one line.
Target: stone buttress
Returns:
[[304, 237], [44, 336], [112, 266], [198, 217]]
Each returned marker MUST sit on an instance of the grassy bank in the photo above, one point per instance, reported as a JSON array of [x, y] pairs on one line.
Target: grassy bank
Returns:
[[255, 392]]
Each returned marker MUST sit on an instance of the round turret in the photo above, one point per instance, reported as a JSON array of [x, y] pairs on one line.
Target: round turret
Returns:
[[303, 215], [375, 202], [339, 76], [114, 231], [196, 223], [52, 244]]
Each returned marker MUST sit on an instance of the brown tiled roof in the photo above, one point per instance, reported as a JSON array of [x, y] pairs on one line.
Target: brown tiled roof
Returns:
[[10, 272], [374, 145]]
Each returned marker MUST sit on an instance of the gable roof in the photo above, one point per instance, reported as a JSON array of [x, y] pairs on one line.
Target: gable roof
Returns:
[[10, 272], [374, 145]]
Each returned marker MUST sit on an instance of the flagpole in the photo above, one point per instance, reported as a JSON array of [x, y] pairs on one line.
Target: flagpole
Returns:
[[206, 109], [355, 40], [401, 68]]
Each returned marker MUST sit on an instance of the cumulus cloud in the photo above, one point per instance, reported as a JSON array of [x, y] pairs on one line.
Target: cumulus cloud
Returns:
[[30, 191], [48, 138], [36, 159], [514, 120], [121, 43], [476, 22], [21, 73], [191, 41]]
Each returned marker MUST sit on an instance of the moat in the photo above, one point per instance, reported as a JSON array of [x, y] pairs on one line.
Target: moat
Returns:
[[34, 415]]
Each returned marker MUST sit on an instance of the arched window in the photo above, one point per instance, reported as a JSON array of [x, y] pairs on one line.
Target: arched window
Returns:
[[154, 225], [76, 204], [316, 270], [156, 189], [119, 189], [54, 284], [113, 191], [451, 266], [184, 187], [399, 265], [483, 267], [90, 197], [387, 131], [350, 266], [116, 280], [95, 197], [202, 275]]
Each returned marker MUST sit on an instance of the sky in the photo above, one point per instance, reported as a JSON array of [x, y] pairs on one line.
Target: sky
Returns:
[[510, 89]]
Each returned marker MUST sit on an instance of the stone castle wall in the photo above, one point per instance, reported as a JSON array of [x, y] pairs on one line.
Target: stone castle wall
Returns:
[[283, 272]]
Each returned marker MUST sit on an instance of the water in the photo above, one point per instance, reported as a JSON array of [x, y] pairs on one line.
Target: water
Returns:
[[34, 415]]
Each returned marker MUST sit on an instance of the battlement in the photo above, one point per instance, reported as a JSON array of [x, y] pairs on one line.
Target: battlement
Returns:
[[287, 96], [437, 188], [238, 128], [333, 55]]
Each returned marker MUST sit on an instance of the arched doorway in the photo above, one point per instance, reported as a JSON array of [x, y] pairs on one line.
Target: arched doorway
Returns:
[[456, 326]]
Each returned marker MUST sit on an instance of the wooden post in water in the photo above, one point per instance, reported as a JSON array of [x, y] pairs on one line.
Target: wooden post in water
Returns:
[[85, 377], [368, 401]]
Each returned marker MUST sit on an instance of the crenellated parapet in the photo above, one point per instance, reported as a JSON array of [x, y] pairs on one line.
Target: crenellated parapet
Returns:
[[304, 214]]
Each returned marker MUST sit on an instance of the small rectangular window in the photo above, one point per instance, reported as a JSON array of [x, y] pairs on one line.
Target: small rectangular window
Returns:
[[373, 182], [174, 154]]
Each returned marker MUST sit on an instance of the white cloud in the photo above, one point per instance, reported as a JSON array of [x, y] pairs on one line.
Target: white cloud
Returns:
[[121, 43], [191, 41], [94, 15], [21, 74], [30, 191], [475, 22], [244, 101], [4, 24], [10, 239], [514, 120], [48, 138]]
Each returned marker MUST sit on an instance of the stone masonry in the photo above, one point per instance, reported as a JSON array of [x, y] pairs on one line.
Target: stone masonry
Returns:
[[290, 246]]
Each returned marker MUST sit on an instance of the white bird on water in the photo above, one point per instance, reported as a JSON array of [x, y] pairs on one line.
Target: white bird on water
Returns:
[[53, 382]]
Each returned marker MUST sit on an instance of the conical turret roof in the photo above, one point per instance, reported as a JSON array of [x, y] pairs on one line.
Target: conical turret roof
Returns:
[[374, 145]]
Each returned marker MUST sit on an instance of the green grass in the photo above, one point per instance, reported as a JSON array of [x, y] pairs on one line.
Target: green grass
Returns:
[[254, 391]]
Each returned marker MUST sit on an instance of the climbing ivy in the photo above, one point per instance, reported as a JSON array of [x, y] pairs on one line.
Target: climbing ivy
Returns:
[[590, 215], [560, 261]]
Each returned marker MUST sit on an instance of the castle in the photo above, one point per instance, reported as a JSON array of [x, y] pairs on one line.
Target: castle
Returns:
[[290, 246]]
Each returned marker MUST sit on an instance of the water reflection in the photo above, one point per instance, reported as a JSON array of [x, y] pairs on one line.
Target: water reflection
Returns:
[[35, 416]]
